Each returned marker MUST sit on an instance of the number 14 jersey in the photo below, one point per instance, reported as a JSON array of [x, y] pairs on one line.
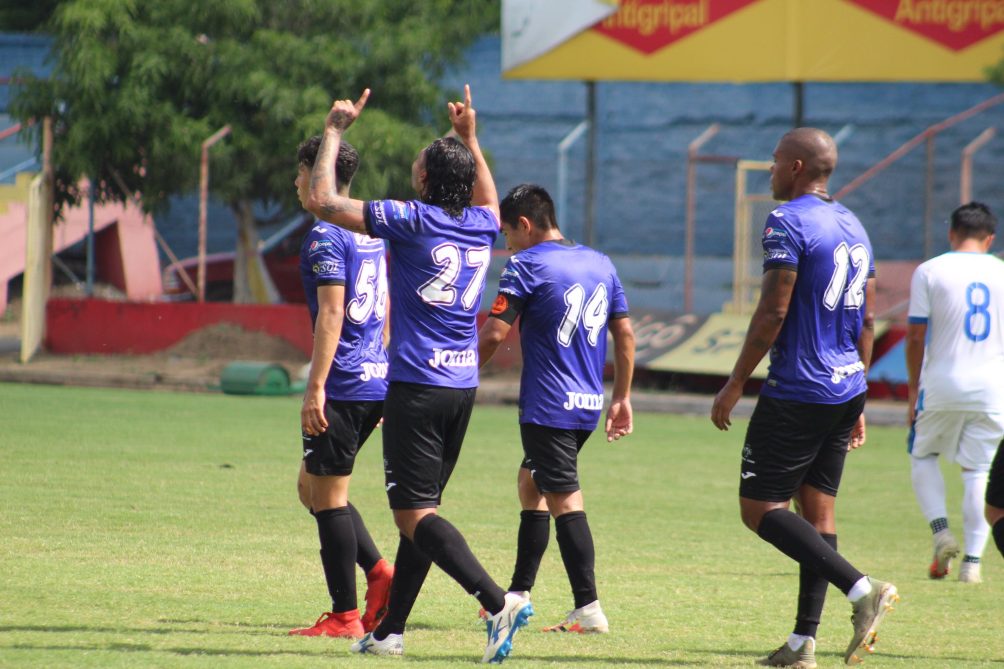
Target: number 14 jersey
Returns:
[[960, 296], [565, 294]]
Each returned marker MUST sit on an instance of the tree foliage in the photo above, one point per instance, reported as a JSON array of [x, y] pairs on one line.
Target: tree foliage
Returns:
[[137, 86]]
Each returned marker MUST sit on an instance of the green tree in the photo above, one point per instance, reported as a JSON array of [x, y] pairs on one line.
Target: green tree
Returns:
[[137, 86]]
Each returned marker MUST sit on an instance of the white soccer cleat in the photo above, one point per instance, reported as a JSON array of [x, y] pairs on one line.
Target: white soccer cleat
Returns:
[[588, 619], [969, 572], [369, 645], [503, 626], [945, 548]]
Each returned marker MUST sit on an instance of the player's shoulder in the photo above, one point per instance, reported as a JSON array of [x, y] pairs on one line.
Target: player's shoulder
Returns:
[[321, 236]]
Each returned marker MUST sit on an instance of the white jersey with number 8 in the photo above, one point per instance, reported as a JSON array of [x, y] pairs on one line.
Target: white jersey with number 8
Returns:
[[960, 296]]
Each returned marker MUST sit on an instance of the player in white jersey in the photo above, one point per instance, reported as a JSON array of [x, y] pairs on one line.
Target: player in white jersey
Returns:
[[955, 360]]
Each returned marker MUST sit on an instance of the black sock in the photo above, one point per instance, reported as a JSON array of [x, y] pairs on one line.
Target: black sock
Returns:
[[531, 542], [338, 556], [410, 569], [577, 552], [443, 543], [811, 595], [798, 539], [998, 531], [367, 554]]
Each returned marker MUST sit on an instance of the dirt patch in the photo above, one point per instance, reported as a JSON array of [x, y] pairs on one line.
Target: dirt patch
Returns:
[[226, 341]]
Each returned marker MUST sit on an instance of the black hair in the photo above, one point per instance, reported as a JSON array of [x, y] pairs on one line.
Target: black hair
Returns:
[[973, 221], [532, 201], [449, 176], [345, 165]]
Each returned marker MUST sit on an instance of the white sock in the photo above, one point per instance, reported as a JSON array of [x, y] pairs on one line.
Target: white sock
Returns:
[[975, 526], [928, 486], [795, 641], [860, 589]]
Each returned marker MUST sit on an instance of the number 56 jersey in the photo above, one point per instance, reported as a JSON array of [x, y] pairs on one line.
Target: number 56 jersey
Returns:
[[565, 294], [332, 256], [960, 296]]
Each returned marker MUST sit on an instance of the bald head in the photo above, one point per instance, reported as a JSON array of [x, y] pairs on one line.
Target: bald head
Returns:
[[803, 162], [814, 147]]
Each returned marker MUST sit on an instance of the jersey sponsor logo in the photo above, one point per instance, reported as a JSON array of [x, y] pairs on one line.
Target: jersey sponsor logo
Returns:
[[379, 215], [325, 267], [842, 372], [373, 370], [447, 358], [400, 208], [500, 305], [317, 245], [582, 401], [776, 254], [774, 233], [510, 273]]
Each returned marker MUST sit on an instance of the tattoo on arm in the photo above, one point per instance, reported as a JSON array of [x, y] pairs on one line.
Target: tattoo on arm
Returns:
[[344, 205]]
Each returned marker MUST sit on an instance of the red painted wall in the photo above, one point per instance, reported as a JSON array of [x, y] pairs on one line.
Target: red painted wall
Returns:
[[101, 326]]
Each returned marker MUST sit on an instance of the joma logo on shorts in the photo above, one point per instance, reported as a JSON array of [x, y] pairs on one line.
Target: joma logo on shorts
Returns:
[[582, 401], [373, 370], [441, 358]]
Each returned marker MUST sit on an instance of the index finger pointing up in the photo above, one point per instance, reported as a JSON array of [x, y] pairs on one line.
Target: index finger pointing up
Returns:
[[467, 96], [362, 100]]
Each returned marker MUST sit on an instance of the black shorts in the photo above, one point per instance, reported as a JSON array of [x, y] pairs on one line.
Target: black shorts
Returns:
[[552, 456], [333, 452], [423, 430], [789, 444], [995, 486]]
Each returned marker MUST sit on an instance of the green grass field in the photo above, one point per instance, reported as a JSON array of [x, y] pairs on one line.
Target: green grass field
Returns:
[[144, 529]]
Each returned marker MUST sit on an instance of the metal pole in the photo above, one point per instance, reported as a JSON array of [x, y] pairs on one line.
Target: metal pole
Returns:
[[89, 290], [966, 174], [589, 226], [203, 206], [799, 103], [929, 198], [691, 215], [563, 148]]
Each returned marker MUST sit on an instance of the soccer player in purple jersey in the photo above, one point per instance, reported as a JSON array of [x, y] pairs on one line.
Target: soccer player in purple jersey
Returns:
[[440, 248], [345, 282], [567, 296], [815, 316]]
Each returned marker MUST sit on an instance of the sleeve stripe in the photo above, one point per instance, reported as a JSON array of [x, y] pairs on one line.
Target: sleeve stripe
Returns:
[[331, 282]]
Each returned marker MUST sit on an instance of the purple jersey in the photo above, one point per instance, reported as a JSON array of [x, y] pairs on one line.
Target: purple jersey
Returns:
[[815, 357], [332, 256], [437, 273], [565, 293]]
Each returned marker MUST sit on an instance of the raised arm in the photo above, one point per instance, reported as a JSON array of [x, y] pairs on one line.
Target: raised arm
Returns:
[[324, 201], [775, 296], [462, 117], [620, 418]]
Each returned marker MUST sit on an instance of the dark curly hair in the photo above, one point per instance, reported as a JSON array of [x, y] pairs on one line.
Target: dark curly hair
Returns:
[[345, 165], [449, 170]]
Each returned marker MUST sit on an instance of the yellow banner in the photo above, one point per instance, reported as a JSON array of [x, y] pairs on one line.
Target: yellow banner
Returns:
[[714, 347], [780, 40]]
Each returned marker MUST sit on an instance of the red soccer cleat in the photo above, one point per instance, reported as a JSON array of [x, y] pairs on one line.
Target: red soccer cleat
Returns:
[[345, 625], [378, 582]]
